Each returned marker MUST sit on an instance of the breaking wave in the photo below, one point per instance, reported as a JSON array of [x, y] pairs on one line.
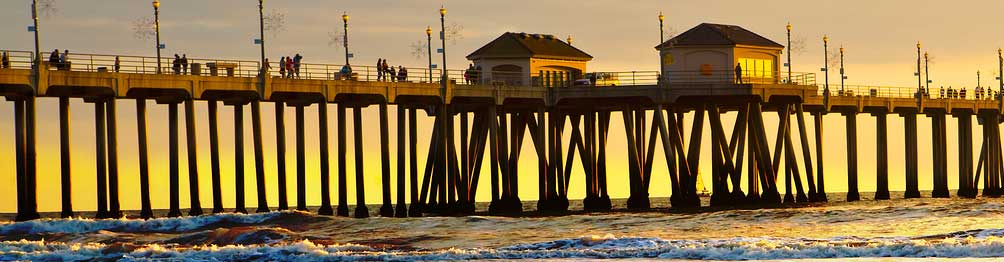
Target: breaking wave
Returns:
[[968, 244]]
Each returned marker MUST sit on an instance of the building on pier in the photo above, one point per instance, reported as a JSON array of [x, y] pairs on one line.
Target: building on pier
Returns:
[[710, 52], [521, 59]]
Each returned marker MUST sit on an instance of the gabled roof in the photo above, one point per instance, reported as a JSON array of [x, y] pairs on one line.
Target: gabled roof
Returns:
[[523, 45], [717, 34]]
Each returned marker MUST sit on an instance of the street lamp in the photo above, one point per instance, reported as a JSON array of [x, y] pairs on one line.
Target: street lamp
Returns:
[[156, 27], [34, 16], [261, 32], [428, 34], [842, 77], [1000, 65], [919, 84], [927, 75], [662, 39], [826, 64], [442, 35], [788, 64], [345, 37]]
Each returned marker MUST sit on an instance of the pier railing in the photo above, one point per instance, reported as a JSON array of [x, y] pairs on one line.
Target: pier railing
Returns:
[[912, 92], [320, 71]]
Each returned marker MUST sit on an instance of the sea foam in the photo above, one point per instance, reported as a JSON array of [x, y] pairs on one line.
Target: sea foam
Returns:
[[983, 243]]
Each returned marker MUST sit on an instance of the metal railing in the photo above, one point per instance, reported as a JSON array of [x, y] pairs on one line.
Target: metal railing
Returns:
[[978, 93], [747, 77], [17, 59]]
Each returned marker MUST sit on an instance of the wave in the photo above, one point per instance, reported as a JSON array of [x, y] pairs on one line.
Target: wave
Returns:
[[967, 244], [170, 225]]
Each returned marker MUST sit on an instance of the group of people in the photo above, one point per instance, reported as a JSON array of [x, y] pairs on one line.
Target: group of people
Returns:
[[472, 75], [289, 66], [179, 65], [388, 73], [5, 60], [952, 93], [59, 60]]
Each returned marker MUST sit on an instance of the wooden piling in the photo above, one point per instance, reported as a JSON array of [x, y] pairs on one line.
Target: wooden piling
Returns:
[[301, 161], [280, 154], [912, 183], [214, 152], [100, 155], [239, 159], [343, 206], [194, 204], [259, 157], [64, 157], [146, 211], [357, 124], [325, 159], [175, 165], [881, 157]]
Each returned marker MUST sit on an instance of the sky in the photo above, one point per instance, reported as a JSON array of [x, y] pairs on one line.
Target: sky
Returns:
[[879, 36]]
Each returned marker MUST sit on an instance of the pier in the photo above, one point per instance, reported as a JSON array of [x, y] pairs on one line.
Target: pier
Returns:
[[497, 113]]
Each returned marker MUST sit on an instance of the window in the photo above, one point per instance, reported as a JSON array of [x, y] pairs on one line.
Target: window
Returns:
[[757, 68]]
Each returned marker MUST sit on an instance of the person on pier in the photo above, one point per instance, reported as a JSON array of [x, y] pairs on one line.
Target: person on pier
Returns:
[[5, 63], [289, 67], [184, 64], [345, 73], [296, 64], [739, 74], [282, 67]]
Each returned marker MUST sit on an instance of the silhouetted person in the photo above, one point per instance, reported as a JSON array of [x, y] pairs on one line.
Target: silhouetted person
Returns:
[[176, 64], [289, 67], [265, 68], [282, 67], [5, 60], [402, 74], [739, 74], [54, 58], [184, 64], [296, 64], [386, 71], [346, 72], [392, 74], [118, 64], [379, 69]]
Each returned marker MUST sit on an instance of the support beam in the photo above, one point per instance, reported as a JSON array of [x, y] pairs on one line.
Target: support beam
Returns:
[[280, 154], [806, 155], [912, 183], [881, 157], [325, 161], [343, 206], [852, 156], [601, 160], [64, 157], [941, 155], [214, 152], [301, 162], [387, 209], [175, 165], [414, 210], [402, 207], [239, 159], [30, 208], [114, 209], [100, 156], [820, 186], [966, 185], [259, 157], [194, 203], [357, 124], [146, 211], [23, 191]]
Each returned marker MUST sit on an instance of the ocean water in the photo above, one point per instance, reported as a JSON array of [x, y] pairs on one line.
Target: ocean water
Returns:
[[889, 230]]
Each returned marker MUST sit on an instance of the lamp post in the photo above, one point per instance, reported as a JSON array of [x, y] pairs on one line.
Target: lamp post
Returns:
[[842, 77], [927, 75], [1000, 68], [345, 36], [34, 17], [442, 35], [788, 64], [662, 39], [156, 28], [428, 34], [826, 64], [919, 84], [261, 32]]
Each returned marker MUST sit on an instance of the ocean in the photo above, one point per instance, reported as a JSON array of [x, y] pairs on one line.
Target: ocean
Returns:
[[868, 230]]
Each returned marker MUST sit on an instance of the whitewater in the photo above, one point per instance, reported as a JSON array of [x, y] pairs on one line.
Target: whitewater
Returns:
[[888, 230]]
